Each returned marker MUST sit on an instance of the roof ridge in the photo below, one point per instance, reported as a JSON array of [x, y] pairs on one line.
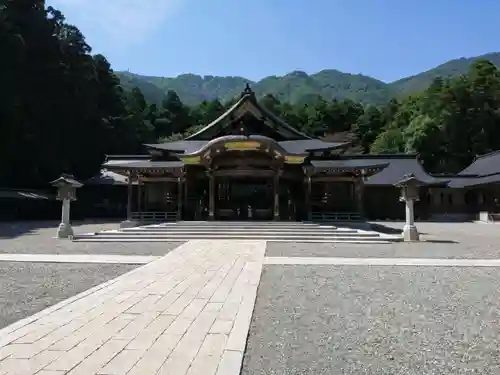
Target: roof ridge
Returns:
[[487, 154], [470, 175], [489, 174]]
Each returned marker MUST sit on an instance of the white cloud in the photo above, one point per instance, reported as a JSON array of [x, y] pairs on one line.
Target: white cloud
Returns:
[[122, 22]]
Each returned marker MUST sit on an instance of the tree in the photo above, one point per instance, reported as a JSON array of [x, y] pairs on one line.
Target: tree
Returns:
[[390, 141], [175, 116], [206, 112], [60, 107], [270, 102], [63, 110], [368, 126]]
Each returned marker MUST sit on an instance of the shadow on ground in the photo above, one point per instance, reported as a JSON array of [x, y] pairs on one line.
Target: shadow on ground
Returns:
[[438, 241], [426, 236], [9, 230], [20, 228], [386, 229]]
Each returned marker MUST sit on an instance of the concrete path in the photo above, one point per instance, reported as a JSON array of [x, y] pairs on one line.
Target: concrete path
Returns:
[[186, 313], [79, 258]]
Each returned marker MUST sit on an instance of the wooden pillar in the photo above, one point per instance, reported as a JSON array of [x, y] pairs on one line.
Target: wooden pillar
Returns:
[[129, 196], [185, 196], [276, 205], [359, 188], [211, 196], [179, 197], [139, 195], [307, 198]]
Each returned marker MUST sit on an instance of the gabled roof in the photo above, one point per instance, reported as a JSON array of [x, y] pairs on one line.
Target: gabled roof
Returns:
[[309, 145], [299, 146], [398, 166], [463, 181], [348, 164], [181, 147], [483, 165], [142, 164], [393, 168], [248, 103]]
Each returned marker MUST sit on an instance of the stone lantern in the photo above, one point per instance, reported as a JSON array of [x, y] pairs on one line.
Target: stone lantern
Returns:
[[66, 192], [409, 194]]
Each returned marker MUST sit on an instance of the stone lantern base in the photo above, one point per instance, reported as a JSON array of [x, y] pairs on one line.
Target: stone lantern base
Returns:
[[410, 233], [64, 231]]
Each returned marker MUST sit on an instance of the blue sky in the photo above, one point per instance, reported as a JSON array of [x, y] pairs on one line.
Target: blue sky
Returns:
[[386, 39]]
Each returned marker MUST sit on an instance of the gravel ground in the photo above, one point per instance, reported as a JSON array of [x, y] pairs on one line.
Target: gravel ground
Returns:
[[439, 240], [38, 238], [68, 247], [395, 250], [465, 233], [375, 320], [26, 288]]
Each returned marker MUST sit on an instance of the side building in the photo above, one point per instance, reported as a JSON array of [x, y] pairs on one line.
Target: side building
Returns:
[[249, 164]]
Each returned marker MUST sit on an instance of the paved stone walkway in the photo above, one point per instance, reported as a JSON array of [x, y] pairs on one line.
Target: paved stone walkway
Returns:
[[186, 313], [79, 258]]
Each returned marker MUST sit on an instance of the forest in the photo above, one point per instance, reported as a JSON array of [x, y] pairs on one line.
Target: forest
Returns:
[[297, 87], [62, 109]]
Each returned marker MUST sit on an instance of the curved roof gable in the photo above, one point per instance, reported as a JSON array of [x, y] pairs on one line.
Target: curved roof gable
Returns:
[[248, 104]]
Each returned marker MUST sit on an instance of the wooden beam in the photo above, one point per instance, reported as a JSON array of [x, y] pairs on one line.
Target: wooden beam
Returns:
[[244, 173], [159, 179], [333, 179]]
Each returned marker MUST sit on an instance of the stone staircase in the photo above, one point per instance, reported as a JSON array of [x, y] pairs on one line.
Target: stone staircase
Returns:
[[268, 231]]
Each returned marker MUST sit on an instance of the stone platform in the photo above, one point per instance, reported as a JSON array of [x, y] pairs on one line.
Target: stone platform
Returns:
[[245, 230]]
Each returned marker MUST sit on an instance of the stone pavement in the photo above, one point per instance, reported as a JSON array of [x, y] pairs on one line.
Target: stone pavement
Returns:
[[186, 313], [78, 258]]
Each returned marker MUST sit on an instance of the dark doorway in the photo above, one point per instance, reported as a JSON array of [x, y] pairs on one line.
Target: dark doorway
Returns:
[[248, 198]]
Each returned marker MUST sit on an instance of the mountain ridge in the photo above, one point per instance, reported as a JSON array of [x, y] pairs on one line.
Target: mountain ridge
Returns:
[[297, 86]]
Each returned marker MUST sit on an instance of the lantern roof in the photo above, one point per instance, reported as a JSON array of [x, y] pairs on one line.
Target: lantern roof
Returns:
[[66, 180], [410, 180]]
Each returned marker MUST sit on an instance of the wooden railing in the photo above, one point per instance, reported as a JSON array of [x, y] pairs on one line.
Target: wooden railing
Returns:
[[336, 216], [154, 217]]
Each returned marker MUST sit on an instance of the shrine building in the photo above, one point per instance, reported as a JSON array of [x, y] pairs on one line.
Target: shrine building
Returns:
[[249, 164]]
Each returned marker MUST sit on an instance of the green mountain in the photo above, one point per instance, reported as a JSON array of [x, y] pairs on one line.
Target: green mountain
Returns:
[[449, 69], [297, 86]]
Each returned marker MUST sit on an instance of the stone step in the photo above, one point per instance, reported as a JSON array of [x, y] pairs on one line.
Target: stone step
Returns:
[[235, 227], [250, 233], [225, 222], [266, 231], [282, 224], [350, 240], [234, 230], [246, 224], [251, 236], [229, 228]]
